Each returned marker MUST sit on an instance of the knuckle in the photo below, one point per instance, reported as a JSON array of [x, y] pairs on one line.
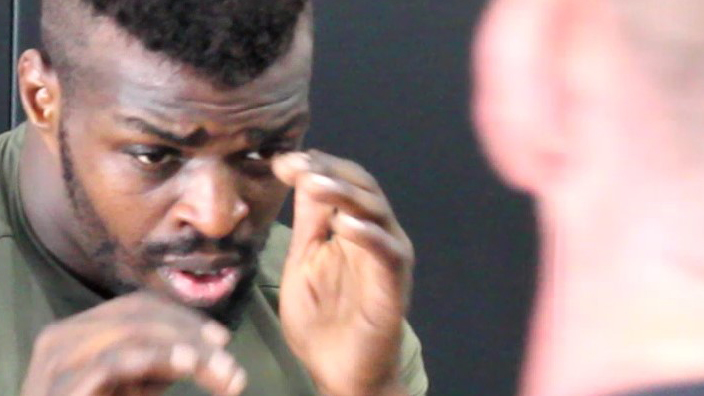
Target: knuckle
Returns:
[[398, 257], [145, 304], [408, 257], [353, 166], [110, 358], [141, 302], [380, 207], [151, 310], [408, 252], [45, 340], [183, 314], [62, 377], [348, 191], [366, 176], [132, 330], [401, 253], [363, 173], [53, 367], [319, 161]]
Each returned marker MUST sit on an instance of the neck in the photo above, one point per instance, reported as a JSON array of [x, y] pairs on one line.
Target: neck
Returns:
[[619, 300], [46, 205]]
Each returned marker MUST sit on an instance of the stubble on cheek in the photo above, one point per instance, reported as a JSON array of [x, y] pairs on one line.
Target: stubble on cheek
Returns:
[[110, 265]]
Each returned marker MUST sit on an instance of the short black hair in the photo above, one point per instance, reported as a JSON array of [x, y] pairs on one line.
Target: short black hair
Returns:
[[228, 41]]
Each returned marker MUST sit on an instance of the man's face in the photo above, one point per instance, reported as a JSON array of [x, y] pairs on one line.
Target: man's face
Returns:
[[169, 177]]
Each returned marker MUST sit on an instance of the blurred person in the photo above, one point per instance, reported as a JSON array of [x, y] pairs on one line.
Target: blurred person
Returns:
[[594, 108], [138, 248]]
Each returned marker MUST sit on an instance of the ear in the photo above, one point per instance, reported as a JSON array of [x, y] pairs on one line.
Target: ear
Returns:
[[517, 94], [40, 92]]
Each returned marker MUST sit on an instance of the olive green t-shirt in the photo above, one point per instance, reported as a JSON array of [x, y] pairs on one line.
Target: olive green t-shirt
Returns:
[[35, 291]]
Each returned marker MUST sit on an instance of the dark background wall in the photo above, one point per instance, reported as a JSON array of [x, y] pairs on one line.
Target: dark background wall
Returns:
[[390, 91], [6, 13]]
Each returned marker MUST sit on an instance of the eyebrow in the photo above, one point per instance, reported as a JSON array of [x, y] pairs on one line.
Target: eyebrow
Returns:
[[200, 136], [259, 136], [195, 138]]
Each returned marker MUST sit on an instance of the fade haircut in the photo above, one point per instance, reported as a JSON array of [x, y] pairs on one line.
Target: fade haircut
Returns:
[[229, 42]]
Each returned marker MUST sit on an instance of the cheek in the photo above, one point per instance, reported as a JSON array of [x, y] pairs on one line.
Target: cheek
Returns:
[[115, 194]]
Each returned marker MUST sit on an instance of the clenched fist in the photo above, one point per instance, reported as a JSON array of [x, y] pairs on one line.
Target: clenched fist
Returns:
[[132, 345]]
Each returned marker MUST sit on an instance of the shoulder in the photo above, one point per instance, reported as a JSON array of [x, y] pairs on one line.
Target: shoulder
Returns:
[[271, 260], [413, 373], [9, 155]]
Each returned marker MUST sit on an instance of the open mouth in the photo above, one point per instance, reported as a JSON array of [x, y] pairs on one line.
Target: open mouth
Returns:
[[201, 288]]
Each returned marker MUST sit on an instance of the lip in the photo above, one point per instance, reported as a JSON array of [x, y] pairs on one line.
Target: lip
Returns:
[[177, 275], [202, 262]]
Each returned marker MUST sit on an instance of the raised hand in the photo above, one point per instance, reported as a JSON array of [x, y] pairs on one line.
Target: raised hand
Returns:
[[347, 276], [133, 345]]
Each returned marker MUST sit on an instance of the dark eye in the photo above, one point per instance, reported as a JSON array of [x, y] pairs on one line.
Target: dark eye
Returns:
[[154, 156], [254, 155], [257, 162], [154, 159], [264, 153]]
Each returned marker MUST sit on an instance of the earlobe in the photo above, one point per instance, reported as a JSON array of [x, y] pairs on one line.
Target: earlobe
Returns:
[[40, 94]]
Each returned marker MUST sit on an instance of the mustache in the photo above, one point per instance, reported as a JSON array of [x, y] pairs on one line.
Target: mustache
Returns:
[[196, 242]]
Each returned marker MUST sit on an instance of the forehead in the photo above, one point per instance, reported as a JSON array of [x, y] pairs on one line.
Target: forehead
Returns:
[[126, 75]]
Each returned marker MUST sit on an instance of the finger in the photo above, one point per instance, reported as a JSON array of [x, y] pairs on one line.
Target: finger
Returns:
[[124, 369], [100, 337], [395, 253], [136, 365], [215, 333], [144, 308], [221, 374], [214, 370], [137, 319], [288, 166], [310, 218], [193, 324], [339, 168], [386, 278], [163, 310], [88, 383], [348, 197]]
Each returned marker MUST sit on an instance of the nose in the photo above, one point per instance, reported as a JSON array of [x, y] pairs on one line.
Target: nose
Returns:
[[210, 202]]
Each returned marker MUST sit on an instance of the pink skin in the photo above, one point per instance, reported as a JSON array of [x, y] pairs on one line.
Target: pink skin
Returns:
[[569, 111]]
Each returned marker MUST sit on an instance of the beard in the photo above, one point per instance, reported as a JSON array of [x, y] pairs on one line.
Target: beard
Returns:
[[123, 270]]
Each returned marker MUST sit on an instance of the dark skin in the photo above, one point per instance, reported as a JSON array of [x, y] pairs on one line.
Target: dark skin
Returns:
[[159, 156], [132, 345]]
